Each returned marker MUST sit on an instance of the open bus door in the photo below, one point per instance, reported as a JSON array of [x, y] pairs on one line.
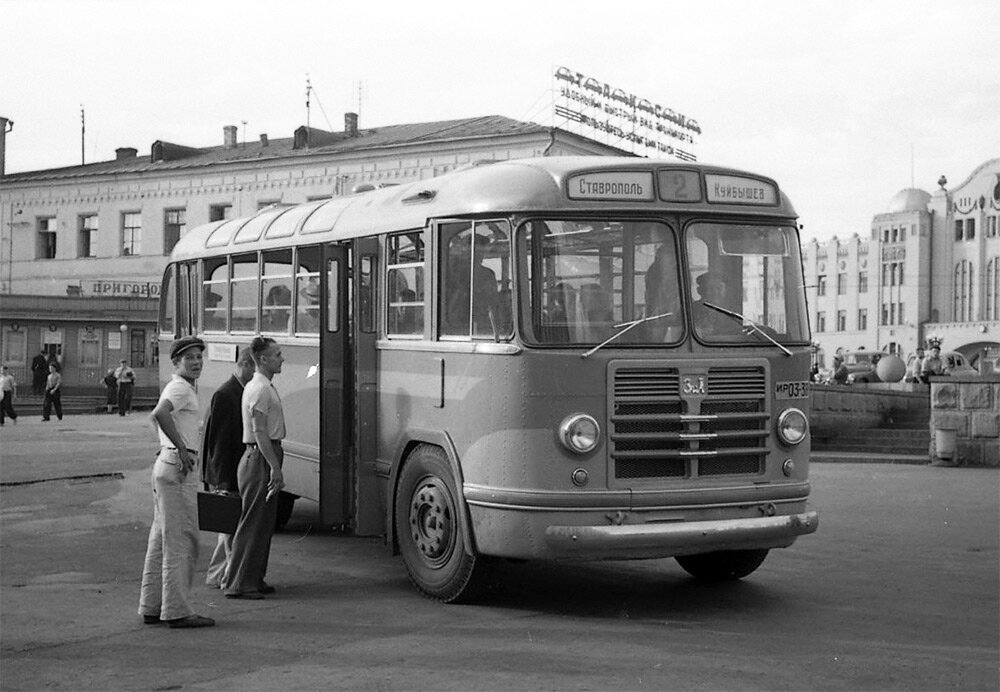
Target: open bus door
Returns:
[[334, 472]]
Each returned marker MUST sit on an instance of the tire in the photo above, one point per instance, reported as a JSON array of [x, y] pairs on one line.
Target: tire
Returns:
[[286, 502], [430, 531], [725, 565]]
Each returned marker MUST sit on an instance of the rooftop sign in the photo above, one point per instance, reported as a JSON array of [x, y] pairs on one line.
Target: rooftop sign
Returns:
[[634, 123], [612, 185]]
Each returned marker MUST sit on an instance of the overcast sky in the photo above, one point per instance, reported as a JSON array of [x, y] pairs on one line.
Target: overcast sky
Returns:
[[844, 103]]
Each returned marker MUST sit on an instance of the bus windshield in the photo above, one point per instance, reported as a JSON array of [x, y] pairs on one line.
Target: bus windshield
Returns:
[[589, 280]]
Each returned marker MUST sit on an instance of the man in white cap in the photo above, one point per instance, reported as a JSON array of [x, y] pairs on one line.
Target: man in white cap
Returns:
[[172, 549]]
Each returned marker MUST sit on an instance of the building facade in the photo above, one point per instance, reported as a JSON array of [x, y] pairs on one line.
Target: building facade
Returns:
[[83, 248], [929, 269]]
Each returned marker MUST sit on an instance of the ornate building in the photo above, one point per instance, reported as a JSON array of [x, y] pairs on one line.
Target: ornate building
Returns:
[[929, 268], [83, 248]]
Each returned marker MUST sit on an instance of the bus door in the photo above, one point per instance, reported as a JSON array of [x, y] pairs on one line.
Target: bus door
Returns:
[[334, 471], [369, 515]]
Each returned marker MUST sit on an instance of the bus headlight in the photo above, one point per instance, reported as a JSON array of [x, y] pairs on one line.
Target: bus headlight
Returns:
[[579, 433], [792, 426]]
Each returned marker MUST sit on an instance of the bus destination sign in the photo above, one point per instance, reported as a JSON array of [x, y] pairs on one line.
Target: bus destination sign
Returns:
[[617, 185], [734, 189]]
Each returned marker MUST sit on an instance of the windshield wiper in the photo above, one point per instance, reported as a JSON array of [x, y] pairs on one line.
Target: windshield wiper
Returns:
[[750, 323], [627, 326]]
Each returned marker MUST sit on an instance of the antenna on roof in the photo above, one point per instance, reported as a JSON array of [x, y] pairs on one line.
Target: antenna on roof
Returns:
[[83, 137], [308, 93], [360, 84], [912, 178], [244, 133]]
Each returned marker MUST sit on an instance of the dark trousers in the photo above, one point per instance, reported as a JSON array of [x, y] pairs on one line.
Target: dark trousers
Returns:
[[7, 408], [124, 398], [52, 399]]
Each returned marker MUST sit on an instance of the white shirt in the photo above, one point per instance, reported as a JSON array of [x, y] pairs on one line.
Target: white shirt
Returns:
[[259, 394], [186, 411]]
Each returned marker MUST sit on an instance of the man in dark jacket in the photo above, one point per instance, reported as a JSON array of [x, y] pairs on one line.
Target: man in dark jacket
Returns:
[[39, 372], [221, 450]]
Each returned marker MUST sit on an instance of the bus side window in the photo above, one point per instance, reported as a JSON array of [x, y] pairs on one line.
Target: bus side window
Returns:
[[245, 293], [215, 292], [405, 285], [471, 258], [307, 296], [276, 286]]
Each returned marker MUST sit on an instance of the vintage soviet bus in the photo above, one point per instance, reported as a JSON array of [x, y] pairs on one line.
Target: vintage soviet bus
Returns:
[[555, 358]]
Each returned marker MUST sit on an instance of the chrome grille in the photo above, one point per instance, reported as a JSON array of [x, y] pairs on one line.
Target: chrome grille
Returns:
[[656, 432]]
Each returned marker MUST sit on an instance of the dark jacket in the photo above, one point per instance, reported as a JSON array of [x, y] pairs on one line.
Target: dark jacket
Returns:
[[222, 445]]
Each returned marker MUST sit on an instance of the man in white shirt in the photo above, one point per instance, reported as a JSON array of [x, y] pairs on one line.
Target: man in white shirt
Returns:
[[259, 475], [8, 390], [172, 549]]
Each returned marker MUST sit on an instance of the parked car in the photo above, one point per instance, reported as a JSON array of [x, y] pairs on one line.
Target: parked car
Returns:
[[861, 365], [956, 364]]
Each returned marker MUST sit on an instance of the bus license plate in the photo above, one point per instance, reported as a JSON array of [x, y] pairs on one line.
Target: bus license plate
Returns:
[[791, 390]]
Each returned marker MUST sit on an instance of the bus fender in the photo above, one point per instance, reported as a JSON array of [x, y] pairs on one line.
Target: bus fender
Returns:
[[438, 438]]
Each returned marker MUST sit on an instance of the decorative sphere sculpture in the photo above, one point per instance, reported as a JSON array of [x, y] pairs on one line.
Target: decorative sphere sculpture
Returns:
[[890, 368]]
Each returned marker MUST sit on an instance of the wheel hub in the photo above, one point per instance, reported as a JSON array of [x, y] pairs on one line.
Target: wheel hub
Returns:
[[431, 521]]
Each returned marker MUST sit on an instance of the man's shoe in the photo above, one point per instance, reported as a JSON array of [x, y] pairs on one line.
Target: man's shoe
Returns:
[[152, 620], [247, 595], [266, 589], [191, 621]]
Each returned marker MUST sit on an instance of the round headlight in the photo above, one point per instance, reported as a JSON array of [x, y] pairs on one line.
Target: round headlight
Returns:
[[792, 426], [579, 433]]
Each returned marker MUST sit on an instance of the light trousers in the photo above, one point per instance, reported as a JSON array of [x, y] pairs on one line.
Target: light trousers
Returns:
[[252, 540], [216, 574], [172, 549]]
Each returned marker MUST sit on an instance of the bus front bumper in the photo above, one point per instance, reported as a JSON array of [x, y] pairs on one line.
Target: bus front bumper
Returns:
[[654, 540]]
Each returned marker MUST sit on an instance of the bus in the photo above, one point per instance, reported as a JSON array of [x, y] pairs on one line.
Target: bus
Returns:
[[567, 358]]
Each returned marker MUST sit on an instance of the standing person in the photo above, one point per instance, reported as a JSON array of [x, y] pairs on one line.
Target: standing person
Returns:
[[125, 378], [53, 393], [8, 390], [221, 450], [111, 384], [39, 371], [259, 475], [172, 549], [840, 372]]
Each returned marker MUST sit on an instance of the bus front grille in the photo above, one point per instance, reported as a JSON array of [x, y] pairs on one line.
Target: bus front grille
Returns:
[[656, 431]]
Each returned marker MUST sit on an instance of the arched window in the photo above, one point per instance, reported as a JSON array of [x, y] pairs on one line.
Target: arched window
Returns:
[[993, 289], [963, 292]]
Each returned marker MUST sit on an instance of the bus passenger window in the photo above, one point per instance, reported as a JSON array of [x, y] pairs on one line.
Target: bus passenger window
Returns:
[[405, 285], [475, 259], [214, 295], [276, 286], [307, 291], [245, 294]]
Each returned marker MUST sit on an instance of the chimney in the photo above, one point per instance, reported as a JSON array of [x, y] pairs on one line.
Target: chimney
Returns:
[[122, 153], [351, 124], [263, 140], [229, 137]]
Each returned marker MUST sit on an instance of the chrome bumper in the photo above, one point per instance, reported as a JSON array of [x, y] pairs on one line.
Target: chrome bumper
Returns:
[[631, 541]]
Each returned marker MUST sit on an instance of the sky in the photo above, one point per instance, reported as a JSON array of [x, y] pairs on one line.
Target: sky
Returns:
[[844, 103]]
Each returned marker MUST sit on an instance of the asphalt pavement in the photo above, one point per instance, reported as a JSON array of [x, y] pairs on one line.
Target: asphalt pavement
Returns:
[[898, 589]]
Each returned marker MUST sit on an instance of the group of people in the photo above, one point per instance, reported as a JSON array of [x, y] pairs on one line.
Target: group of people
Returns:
[[240, 452], [120, 385], [46, 379]]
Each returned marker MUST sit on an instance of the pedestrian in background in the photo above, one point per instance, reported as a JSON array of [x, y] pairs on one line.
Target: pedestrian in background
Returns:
[[932, 365], [840, 372], [172, 548], [8, 390], [221, 450], [259, 475], [125, 378], [39, 371], [53, 393], [111, 385]]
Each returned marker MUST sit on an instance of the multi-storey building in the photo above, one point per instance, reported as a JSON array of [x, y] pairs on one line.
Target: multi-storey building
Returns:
[[83, 248], [930, 268]]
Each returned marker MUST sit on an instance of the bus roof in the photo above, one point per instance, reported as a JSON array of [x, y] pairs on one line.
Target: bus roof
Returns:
[[503, 187]]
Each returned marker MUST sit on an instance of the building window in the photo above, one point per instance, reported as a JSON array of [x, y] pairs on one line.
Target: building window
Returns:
[[993, 289], [895, 235], [863, 319], [902, 233], [841, 284], [174, 224], [963, 292], [970, 229], [991, 227], [820, 321], [958, 229], [899, 315], [264, 204], [46, 247], [901, 272], [885, 315], [131, 233], [219, 212], [88, 236], [821, 285], [137, 348], [862, 282], [841, 320]]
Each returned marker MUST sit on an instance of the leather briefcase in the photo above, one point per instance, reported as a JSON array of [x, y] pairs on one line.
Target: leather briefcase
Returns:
[[218, 512]]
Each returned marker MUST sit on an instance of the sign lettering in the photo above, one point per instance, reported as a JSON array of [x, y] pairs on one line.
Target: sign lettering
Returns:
[[617, 185], [734, 189]]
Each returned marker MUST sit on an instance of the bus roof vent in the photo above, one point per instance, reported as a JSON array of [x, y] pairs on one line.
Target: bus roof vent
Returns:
[[422, 196]]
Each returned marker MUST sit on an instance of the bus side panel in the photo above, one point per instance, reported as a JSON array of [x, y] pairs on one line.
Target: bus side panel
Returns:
[[298, 387]]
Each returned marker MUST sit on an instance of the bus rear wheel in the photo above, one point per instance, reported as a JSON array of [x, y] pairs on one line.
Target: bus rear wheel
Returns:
[[430, 530], [725, 565]]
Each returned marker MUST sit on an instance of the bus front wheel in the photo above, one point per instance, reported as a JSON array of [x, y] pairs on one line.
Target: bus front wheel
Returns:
[[724, 565], [430, 530]]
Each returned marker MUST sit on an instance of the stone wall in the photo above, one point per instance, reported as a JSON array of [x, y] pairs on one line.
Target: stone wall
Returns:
[[968, 405], [837, 408]]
